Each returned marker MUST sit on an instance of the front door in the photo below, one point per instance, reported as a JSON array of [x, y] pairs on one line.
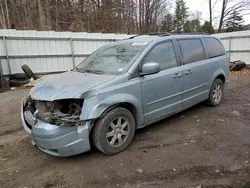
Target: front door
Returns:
[[162, 92]]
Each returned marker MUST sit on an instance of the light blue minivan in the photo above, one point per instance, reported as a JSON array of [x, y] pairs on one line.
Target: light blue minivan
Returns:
[[122, 87]]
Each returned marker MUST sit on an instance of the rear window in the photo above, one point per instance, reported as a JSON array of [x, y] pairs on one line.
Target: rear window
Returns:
[[191, 50], [214, 47]]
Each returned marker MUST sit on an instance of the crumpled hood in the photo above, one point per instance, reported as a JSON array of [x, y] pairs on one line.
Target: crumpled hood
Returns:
[[67, 85]]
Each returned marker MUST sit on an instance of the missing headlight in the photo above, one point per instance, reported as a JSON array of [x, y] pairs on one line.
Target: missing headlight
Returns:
[[57, 112], [66, 111]]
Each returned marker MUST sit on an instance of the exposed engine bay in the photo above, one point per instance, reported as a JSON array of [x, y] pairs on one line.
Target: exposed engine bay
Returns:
[[56, 112]]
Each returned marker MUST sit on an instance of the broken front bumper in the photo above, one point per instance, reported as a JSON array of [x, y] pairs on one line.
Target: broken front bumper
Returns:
[[56, 140]]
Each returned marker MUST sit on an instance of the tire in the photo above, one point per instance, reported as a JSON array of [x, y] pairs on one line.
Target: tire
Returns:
[[28, 71], [103, 131], [215, 99], [18, 83], [21, 76]]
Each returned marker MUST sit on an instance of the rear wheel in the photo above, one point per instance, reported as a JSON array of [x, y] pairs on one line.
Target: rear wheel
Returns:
[[114, 131], [216, 93]]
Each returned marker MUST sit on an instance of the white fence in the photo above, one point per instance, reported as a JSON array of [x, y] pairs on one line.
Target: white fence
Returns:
[[237, 45], [48, 51]]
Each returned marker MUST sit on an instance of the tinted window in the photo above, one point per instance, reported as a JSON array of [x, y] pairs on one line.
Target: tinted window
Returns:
[[164, 54], [214, 47], [191, 50]]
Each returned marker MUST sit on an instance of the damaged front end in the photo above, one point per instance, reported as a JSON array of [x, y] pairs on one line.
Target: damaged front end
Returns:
[[55, 126], [59, 112]]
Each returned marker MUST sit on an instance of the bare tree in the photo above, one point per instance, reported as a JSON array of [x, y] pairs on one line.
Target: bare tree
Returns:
[[211, 8], [222, 16], [210, 13], [118, 16], [226, 10], [42, 17], [56, 27], [2, 17], [7, 14]]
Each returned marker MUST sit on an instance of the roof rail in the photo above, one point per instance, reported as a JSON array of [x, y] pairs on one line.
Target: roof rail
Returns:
[[195, 33], [152, 34], [158, 33], [163, 34]]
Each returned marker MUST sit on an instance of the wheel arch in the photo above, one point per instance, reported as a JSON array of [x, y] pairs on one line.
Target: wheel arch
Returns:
[[218, 74], [128, 102], [127, 105], [221, 77]]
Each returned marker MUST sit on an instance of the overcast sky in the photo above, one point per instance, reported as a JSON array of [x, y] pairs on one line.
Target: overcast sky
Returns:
[[202, 6]]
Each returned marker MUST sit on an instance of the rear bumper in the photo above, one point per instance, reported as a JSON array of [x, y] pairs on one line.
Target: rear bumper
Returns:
[[56, 140]]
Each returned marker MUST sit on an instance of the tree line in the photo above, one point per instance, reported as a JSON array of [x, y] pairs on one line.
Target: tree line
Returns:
[[118, 16]]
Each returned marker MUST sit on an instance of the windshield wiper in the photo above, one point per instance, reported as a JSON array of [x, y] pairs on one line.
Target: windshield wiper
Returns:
[[94, 71], [80, 70], [89, 71]]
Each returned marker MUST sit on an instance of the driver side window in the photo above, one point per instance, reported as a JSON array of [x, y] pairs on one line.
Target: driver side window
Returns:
[[164, 54]]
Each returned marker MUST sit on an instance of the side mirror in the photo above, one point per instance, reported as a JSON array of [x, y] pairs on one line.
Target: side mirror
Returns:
[[150, 68]]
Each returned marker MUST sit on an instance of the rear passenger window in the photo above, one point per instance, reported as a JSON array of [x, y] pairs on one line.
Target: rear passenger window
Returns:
[[214, 47], [164, 54], [191, 50]]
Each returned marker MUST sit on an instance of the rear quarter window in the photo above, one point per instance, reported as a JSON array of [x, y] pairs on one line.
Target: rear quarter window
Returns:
[[214, 47], [191, 50]]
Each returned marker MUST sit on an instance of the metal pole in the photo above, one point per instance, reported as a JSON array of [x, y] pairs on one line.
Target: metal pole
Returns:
[[230, 46], [72, 52], [6, 53]]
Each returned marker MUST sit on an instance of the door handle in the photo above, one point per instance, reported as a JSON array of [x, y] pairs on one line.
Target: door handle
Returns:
[[188, 72], [177, 75]]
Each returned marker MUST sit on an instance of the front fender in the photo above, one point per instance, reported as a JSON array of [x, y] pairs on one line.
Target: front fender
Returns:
[[93, 109]]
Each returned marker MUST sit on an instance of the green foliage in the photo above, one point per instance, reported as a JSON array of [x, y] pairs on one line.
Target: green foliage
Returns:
[[181, 15], [234, 22], [207, 28], [192, 26]]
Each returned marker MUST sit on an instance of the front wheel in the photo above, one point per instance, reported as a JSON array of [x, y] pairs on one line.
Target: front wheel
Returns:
[[114, 131], [216, 93]]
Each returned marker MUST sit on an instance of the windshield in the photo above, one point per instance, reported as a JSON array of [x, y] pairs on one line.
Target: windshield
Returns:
[[112, 59]]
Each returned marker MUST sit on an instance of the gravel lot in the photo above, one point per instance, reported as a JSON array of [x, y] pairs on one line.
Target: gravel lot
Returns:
[[201, 147]]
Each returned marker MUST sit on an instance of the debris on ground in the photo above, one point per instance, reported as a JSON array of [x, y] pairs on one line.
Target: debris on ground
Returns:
[[196, 186], [237, 65], [221, 120], [237, 113], [139, 170]]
